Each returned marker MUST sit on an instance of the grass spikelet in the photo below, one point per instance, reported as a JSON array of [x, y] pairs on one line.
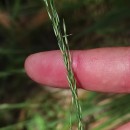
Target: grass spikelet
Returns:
[[64, 47]]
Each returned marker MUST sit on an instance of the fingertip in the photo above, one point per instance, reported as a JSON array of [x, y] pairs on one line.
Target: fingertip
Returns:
[[46, 68], [29, 65], [35, 67]]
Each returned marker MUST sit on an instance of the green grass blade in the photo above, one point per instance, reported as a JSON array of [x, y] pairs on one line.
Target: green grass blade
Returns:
[[64, 47]]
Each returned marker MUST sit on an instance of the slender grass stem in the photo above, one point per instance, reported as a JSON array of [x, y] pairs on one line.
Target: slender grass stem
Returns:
[[64, 47]]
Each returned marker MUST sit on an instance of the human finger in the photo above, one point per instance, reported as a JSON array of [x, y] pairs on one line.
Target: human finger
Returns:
[[104, 69]]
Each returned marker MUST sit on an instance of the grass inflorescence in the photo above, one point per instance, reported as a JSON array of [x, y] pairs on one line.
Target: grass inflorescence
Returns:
[[64, 47]]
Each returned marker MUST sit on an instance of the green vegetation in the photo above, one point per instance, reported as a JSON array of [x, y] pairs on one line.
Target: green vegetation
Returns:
[[64, 47], [25, 29]]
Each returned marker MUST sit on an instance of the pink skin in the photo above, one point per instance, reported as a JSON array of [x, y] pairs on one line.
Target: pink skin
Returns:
[[103, 70], [125, 127]]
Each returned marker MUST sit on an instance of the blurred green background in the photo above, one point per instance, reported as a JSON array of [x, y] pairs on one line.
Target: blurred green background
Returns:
[[25, 29]]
